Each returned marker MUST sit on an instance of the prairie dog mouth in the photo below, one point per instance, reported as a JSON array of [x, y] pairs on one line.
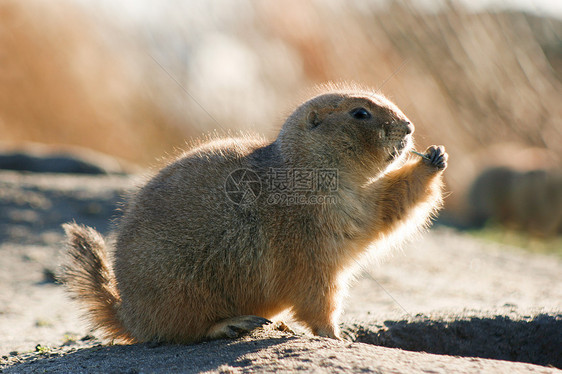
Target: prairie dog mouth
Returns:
[[399, 149]]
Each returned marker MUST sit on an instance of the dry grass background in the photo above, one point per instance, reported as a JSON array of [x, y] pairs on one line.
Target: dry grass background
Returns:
[[61, 82], [72, 74]]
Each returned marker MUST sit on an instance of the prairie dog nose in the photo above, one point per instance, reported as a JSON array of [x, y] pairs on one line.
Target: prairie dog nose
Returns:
[[409, 127]]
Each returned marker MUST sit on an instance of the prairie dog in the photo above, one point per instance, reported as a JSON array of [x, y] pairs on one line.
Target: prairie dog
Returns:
[[207, 248]]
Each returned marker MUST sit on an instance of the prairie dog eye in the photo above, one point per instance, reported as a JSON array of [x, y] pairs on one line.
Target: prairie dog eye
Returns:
[[360, 113]]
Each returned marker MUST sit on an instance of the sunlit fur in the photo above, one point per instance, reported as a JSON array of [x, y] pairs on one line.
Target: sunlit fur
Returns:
[[187, 258]]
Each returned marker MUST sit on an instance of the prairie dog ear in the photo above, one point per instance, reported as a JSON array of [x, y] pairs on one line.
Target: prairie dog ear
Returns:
[[316, 116], [312, 119]]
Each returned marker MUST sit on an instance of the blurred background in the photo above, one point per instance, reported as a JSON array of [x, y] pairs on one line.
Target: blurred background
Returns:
[[137, 79]]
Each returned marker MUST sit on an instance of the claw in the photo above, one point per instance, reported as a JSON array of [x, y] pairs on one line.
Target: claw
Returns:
[[236, 326], [435, 156]]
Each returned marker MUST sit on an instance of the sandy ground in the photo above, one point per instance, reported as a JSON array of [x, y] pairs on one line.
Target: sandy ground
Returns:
[[446, 303]]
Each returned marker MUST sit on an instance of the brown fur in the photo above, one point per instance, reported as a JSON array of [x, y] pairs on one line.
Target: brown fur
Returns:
[[190, 264], [90, 279]]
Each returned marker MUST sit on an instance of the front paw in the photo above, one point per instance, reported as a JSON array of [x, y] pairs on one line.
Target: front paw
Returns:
[[436, 157]]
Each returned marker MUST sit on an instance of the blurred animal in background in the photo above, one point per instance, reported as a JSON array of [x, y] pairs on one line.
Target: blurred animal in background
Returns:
[[519, 188], [529, 201]]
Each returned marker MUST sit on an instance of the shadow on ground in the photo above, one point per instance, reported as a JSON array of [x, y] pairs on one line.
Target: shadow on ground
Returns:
[[147, 357], [536, 339]]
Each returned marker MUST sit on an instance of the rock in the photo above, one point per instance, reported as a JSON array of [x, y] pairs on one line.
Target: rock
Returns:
[[39, 158]]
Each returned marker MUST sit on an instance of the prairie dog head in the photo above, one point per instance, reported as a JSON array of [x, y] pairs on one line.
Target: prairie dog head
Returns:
[[360, 132]]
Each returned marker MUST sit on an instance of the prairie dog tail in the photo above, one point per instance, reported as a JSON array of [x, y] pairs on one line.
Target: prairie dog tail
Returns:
[[90, 280]]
